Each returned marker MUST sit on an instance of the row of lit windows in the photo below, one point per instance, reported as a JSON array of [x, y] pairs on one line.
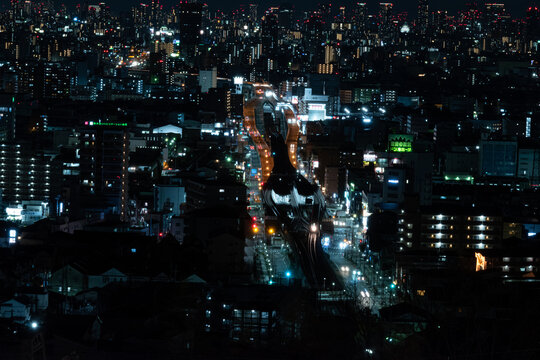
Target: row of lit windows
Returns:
[[469, 218], [443, 245], [528, 268], [451, 236], [451, 227], [529, 259]]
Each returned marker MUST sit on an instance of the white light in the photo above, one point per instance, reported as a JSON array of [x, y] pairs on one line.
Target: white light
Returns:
[[14, 211], [313, 227], [393, 181], [238, 80], [34, 325], [364, 109], [347, 111]]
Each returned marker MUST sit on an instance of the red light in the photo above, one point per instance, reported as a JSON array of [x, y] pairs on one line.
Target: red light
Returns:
[[160, 234], [254, 218]]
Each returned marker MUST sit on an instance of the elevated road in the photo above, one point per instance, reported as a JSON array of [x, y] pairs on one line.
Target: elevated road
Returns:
[[298, 204], [252, 113]]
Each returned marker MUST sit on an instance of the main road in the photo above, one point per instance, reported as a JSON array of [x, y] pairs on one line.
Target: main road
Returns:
[[298, 204]]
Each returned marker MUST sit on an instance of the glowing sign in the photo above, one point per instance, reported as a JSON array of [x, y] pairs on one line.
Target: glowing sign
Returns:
[[370, 157], [480, 261], [14, 211], [95, 123], [400, 143], [317, 107], [12, 236]]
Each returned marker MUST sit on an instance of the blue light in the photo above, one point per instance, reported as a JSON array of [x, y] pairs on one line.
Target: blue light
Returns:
[[133, 250], [326, 242], [288, 274]]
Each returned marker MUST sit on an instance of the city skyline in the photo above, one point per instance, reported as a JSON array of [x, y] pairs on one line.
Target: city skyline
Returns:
[[329, 182], [517, 7]]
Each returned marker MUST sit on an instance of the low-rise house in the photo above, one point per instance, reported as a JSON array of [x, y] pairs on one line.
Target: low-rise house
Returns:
[[15, 309]]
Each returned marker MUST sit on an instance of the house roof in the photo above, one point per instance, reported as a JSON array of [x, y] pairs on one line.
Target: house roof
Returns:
[[194, 279], [404, 313]]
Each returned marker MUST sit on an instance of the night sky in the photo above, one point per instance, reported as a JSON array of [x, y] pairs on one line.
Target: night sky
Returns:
[[516, 7]]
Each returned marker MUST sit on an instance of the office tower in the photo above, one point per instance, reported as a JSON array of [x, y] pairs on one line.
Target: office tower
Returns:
[[423, 16], [385, 19], [25, 175], [532, 23], [285, 16], [270, 31], [7, 117], [52, 81], [360, 13], [189, 24], [208, 79], [104, 159], [252, 14]]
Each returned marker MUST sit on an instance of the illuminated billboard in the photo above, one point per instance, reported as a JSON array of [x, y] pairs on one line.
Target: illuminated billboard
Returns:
[[400, 143], [316, 112]]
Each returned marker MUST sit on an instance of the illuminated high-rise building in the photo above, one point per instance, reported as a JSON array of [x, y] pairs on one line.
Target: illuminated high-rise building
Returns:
[[385, 19], [495, 19], [360, 14], [252, 14], [532, 22], [155, 10], [25, 175], [422, 22], [285, 16], [104, 160], [7, 117], [270, 31], [190, 26]]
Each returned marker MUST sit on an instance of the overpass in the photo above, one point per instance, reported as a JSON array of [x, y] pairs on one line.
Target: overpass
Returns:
[[264, 115], [297, 203]]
